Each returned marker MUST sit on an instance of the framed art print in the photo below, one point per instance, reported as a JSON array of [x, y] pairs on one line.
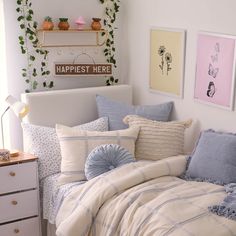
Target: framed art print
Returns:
[[167, 48], [215, 69]]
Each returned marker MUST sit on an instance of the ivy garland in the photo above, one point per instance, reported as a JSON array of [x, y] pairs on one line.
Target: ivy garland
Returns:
[[111, 11], [29, 46]]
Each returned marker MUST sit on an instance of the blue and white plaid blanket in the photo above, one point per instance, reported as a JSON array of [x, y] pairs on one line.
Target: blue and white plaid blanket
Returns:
[[144, 198]]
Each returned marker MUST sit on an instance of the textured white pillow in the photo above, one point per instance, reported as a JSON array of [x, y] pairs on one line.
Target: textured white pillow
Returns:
[[76, 146], [43, 142], [156, 139]]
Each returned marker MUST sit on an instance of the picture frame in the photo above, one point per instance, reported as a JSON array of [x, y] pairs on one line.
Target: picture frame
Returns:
[[215, 69], [167, 60]]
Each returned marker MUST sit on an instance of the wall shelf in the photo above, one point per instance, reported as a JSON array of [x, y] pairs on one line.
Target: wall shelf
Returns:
[[57, 34]]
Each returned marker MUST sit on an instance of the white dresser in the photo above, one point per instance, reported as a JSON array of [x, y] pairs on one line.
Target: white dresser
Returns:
[[19, 197]]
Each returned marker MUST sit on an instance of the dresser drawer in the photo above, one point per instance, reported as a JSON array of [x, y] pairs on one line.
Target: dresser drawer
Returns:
[[18, 177], [29, 227], [19, 205]]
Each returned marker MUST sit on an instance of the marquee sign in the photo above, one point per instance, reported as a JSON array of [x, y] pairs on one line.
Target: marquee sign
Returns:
[[62, 69]]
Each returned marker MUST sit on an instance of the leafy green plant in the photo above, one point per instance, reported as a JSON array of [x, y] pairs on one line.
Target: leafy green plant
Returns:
[[48, 18], [111, 11], [63, 19], [28, 42], [111, 81]]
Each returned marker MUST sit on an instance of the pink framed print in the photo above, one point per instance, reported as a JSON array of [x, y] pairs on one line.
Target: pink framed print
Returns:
[[215, 69]]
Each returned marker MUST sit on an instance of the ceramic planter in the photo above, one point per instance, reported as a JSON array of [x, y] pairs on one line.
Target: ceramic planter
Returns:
[[63, 24], [96, 25]]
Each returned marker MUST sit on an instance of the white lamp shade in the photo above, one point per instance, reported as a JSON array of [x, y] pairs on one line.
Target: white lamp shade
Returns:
[[19, 108]]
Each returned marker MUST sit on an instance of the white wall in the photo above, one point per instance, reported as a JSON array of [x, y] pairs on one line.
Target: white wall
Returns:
[[16, 61], [136, 19], [3, 81], [192, 15]]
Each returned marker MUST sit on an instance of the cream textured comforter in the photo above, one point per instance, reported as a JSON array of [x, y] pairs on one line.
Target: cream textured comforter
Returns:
[[144, 198]]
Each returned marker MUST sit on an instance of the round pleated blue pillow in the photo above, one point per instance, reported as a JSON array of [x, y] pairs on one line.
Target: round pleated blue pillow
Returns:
[[105, 158]]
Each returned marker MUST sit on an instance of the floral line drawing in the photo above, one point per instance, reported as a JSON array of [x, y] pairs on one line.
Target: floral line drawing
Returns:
[[161, 52], [168, 58]]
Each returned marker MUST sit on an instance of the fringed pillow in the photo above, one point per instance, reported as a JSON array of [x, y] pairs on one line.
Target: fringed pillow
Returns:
[[214, 158], [156, 139]]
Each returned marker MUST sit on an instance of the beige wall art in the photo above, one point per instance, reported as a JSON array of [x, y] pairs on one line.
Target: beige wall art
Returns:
[[167, 49]]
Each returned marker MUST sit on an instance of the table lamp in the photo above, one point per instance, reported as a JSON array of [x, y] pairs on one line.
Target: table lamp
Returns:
[[20, 109]]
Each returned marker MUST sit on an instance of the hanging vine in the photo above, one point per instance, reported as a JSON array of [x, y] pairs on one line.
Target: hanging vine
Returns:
[[28, 42], [111, 11]]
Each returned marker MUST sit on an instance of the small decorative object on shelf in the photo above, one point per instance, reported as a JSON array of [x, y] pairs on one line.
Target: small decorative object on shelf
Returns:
[[4, 155], [80, 22], [47, 24], [96, 25], [63, 24]]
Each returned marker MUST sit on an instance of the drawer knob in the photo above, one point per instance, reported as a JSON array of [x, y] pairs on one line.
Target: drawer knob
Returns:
[[12, 174], [16, 231], [14, 202]]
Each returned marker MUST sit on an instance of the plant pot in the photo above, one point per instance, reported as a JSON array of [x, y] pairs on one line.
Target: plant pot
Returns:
[[63, 24], [47, 25], [96, 25]]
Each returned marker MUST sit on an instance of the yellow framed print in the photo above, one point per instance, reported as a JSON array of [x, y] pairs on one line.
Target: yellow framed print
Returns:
[[167, 54]]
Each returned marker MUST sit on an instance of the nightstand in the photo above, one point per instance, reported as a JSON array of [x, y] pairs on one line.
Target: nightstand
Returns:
[[19, 197]]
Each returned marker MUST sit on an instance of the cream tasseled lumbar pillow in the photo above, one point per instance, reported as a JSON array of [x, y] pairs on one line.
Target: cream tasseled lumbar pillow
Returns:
[[76, 145], [156, 139]]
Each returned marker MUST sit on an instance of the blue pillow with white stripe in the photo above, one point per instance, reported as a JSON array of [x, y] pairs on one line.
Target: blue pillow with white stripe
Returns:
[[105, 158]]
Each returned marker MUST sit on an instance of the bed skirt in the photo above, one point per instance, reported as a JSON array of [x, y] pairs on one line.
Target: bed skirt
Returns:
[[48, 229], [51, 230]]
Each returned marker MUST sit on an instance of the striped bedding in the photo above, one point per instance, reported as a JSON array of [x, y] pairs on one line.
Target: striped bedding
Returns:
[[144, 198]]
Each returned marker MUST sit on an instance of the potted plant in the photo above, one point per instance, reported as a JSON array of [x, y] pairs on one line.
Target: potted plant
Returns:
[[63, 24], [47, 24]]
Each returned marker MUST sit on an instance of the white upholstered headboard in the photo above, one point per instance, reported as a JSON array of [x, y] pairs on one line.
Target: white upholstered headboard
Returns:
[[72, 106]]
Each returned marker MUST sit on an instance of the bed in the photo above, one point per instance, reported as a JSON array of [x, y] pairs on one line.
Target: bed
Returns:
[[68, 107], [151, 195]]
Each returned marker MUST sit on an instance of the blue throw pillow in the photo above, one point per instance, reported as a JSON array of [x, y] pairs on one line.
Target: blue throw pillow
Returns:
[[116, 111], [214, 158], [105, 158]]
